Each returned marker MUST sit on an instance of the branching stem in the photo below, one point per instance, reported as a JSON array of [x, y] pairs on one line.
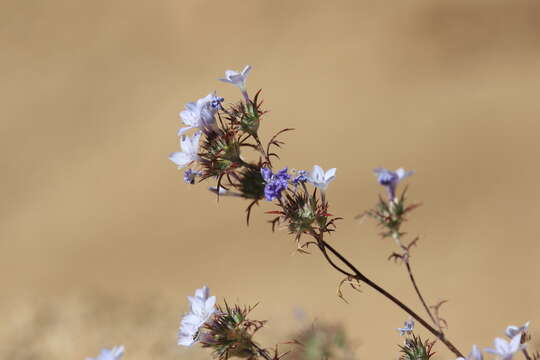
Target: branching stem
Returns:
[[411, 276], [323, 245]]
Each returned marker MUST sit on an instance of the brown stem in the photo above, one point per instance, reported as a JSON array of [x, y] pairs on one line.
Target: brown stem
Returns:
[[262, 352], [405, 257], [526, 354], [260, 148], [359, 276], [435, 322]]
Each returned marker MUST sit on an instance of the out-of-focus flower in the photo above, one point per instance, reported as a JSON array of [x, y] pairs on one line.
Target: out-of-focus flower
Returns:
[[223, 191], [321, 179], [115, 353], [201, 113], [505, 350], [237, 78], [513, 330], [390, 179], [275, 183], [202, 308], [190, 175], [407, 328], [475, 354], [190, 150]]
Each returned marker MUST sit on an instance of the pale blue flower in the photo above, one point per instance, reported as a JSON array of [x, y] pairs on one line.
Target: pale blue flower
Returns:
[[202, 307], [390, 179], [237, 78], [321, 179], [115, 353], [505, 350], [513, 330], [190, 150], [407, 328], [475, 354], [200, 114]]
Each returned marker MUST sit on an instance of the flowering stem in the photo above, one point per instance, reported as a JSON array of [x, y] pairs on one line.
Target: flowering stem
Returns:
[[408, 265], [361, 277], [405, 258], [260, 147]]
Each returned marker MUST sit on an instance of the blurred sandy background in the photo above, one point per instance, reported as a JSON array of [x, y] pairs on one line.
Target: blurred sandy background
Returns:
[[101, 241]]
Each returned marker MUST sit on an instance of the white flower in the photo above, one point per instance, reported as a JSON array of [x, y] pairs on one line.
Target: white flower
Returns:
[[475, 354], [408, 328], [321, 179], [506, 349], [223, 191], [190, 150], [201, 113], [513, 330], [115, 353], [236, 78], [202, 308]]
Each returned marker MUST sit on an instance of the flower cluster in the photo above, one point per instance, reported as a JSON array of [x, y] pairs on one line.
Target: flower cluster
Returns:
[[504, 349], [274, 183], [226, 329], [391, 214], [416, 349], [215, 151], [202, 307]]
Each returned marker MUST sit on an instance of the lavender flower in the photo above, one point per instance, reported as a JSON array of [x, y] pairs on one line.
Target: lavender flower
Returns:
[[190, 175], [275, 183], [407, 329], [475, 354], [190, 150], [115, 353], [237, 78], [201, 113], [202, 308], [505, 350], [321, 179], [300, 178], [513, 330], [390, 179]]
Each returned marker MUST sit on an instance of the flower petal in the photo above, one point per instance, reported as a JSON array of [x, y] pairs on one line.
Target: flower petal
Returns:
[[246, 71]]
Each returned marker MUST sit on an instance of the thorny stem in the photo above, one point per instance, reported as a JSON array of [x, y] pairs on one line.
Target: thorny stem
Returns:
[[361, 277], [260, 147], [435, 322], [397, 238], [262, 352]]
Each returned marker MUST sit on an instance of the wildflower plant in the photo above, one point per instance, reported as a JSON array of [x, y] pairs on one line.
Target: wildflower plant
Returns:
[[215, 142]]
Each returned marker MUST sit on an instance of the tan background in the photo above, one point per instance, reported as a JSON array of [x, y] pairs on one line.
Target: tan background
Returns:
[[100, 240]]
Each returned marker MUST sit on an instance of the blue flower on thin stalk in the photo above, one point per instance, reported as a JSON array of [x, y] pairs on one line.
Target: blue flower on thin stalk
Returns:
[[390, 179], [274, 183], [300, 178], [190, 175]]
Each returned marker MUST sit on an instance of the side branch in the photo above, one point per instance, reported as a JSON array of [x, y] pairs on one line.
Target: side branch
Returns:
[[411, 276], [323, 245]]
